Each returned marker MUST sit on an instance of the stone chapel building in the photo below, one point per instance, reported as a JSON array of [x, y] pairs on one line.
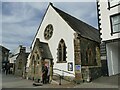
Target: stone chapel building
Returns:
[[70, 47], [20, 62]]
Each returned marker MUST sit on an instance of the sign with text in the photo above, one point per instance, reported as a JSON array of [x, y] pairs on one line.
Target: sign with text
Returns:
[[70, 66], [78, 68]]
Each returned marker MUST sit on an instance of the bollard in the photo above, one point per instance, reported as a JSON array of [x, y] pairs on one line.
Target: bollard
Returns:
[[60, 81]]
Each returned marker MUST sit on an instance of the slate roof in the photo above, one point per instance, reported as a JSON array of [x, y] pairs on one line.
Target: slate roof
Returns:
[[46, 53], [3, 48], [79, 26]]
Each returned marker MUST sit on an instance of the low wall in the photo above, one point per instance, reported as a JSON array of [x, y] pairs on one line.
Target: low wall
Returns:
[[90, 73]]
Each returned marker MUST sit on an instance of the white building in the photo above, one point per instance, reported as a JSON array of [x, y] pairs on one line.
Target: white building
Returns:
[[109, 25], [73, 44], [14, 54]]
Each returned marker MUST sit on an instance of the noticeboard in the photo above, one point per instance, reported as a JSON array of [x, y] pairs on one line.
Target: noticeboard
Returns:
[[78, 68], [70, 66]]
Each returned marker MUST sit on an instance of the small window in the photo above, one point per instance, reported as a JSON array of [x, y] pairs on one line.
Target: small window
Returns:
[[115, 23], [113, 3], [38, 57], [61, 52], [20, 64], [32, 61]]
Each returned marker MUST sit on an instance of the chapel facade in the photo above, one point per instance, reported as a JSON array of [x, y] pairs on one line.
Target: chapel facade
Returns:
[[70, 47]]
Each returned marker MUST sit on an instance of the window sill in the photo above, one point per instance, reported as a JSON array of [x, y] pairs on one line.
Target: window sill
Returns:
[[113, 6], [115, 33]]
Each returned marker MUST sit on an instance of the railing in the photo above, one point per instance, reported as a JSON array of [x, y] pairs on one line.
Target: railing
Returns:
[[61, 76]]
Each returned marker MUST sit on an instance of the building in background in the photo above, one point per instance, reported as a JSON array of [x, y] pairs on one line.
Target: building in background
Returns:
[[109, 26], [18, 60], [12, 58], [21, 61], [4, 54]]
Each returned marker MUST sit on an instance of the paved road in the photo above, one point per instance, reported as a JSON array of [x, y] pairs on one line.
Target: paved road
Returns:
[[102, 82], [10, 81], [0, 81]]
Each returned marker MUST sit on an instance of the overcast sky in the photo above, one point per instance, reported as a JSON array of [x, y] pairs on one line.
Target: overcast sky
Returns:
[[20, 20]]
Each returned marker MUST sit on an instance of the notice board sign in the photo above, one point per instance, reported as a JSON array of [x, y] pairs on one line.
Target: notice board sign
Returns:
[[70, 66], [78, 68]]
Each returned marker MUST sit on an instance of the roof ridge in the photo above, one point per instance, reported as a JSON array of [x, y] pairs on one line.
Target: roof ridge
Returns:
[[84, 29], [73, 16]]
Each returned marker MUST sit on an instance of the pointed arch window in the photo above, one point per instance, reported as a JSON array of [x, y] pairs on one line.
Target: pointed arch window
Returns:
[[38, 57], [32, 61], [61, 52]]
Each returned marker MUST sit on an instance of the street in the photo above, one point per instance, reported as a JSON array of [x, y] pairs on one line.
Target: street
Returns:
[[0, 80], [10, 81]]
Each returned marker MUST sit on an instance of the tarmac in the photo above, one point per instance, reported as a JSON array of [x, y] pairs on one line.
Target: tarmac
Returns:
[[103, 82], [11, 81]]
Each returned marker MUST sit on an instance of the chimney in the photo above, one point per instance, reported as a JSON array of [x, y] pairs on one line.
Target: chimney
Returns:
[[50, 3], [20, 46], [23, 49]]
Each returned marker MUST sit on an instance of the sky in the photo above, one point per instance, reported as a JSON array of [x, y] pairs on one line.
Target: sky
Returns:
[[20, 20]]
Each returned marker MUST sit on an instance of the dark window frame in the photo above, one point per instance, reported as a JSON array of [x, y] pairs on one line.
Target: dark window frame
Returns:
[[112, 25], [61, 51], [20, 64], [109, 6]]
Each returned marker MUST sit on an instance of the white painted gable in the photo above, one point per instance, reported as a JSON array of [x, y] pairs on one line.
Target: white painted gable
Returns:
[[61, 30]]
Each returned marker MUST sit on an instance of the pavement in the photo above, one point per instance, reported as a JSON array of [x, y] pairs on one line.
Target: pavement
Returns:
[[11, 81], [0, 81], [102, 82]]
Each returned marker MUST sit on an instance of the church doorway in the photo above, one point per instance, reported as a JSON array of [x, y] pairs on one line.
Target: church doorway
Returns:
[[47, 67]]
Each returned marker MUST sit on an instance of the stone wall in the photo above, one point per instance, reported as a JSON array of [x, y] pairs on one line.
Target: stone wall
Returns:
[[87, 56], [77, 58], [90, 73], [21, 61]]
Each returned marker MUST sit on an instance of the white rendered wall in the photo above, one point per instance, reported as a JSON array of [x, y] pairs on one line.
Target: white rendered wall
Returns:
[[61, 30], [105, 21], [112, 58], [112, 48]]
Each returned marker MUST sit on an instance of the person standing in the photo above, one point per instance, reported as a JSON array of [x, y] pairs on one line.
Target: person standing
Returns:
[[48, 74], [44, 74]]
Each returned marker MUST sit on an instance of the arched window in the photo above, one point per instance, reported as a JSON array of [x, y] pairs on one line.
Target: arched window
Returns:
[[89, 56], [38, 57], [61, 52], [32, 61]]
